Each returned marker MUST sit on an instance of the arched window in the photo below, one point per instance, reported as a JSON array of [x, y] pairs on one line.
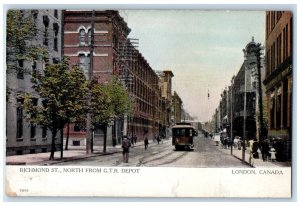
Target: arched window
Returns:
[[84, 64], [81, 37], [89, 37]]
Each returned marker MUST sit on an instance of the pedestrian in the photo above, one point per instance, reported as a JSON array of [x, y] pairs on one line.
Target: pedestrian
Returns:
[[251, 151], [158, 139], [273, 154], [132, 140], [146, 142], [154, 138], [135, 138], [126, 145], [265, 149], [239, 143]]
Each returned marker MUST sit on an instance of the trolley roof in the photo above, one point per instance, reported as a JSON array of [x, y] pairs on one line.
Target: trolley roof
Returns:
[[182, 126]]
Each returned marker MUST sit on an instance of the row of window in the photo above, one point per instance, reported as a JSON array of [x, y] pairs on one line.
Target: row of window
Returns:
[[280, 50], [271, 20], [20, 122], [21, 68], [279, 107]]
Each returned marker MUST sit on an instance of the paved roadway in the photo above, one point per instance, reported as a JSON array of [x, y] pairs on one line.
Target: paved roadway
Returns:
[[204, 155]]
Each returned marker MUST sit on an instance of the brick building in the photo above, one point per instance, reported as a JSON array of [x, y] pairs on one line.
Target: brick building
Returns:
[[23, 137], [114, 54], [278, 76]]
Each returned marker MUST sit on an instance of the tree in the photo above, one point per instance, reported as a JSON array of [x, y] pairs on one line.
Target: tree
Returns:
[[62, 91], [20, 31], [108, 101]]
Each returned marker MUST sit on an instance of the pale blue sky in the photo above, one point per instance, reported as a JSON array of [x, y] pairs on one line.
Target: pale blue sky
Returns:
[[202, 48]]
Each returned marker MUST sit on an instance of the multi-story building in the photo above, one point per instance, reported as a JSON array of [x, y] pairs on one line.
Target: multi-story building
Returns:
[[165, 85], [23, 137], [176, 108], [114, 54], [278, 77], [144, 90], [243, 87]]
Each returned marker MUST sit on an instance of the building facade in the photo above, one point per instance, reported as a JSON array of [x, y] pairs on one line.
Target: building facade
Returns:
[[240, 95], [114, 55], [176, 108], [165, 85], [23, 137], [278, 77]]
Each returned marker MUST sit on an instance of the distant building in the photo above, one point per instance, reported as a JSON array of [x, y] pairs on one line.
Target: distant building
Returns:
[[165, 85], [278, 76], [176, 108], [23, 137]]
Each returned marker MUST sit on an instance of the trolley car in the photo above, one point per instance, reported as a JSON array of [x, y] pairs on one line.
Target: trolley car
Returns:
[[182, 135]]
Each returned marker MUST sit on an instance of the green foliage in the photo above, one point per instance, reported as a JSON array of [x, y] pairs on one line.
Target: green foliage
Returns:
[[108, 101], [101, 108], [120, 99], [20, 29], [63, 93]]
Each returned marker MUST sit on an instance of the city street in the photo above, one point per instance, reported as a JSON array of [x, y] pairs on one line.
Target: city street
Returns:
[[205, 154]]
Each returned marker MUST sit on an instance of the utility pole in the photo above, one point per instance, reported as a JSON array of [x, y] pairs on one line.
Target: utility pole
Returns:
[[245, 114], [258, 57], [89, 137], [231, 113]]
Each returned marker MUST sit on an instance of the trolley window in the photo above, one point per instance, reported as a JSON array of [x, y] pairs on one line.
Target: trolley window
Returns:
[[182, 132]]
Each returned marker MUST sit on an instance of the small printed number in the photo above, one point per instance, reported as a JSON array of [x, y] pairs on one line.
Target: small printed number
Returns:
[[24, 190]]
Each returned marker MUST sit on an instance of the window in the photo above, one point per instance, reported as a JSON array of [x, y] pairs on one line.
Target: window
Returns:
[[35, 14], [20, 102], [284, 45], [32, 151], [84, 64], [45, 40], [44, 132], [55, 41], [55, 13], [34, 71], [76, 143], [46, 24], [44, 127], [55, 60], [291, 36], [279, 50], [33, 126], [89, 37], [20, 70], [81, 37], [286, 41], [285, 102], [273, 57], [77, 127], [278, 111]]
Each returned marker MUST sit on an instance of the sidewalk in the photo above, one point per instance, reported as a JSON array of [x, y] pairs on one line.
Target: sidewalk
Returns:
[[254, 162], [73, 153]]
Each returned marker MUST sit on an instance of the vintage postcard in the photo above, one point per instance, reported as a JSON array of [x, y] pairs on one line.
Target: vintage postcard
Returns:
[[149, 103]]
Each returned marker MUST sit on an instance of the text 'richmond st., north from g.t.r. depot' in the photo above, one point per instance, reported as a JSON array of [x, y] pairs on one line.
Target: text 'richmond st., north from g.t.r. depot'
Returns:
[[78, 170]]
